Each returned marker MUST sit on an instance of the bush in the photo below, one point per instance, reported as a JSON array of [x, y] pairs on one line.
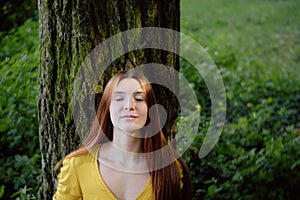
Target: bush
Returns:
[[257, 155], [19, 153]]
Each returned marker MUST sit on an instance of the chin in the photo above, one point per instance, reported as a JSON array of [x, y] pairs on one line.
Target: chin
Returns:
[[132, 130]]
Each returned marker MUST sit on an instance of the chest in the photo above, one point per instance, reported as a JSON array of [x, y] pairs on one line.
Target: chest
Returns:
[[124, 185]]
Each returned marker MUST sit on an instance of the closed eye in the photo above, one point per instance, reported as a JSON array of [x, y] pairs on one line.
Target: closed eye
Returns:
[[118, 98], [139, 99]]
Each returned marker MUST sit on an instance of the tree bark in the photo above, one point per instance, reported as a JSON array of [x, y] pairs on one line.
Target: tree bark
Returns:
[[69, 30]]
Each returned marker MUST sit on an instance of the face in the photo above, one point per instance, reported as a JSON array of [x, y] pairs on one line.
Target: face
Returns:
[[128, 108]]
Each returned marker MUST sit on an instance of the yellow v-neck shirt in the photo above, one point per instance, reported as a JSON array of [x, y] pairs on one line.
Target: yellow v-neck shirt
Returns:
[[80, 178]]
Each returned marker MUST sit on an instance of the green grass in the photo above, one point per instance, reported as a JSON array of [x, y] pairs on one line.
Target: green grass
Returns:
[[263, 31], [256, 47]]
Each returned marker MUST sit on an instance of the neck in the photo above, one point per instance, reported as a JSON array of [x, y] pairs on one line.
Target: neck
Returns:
[[126, 153], [126, 142]]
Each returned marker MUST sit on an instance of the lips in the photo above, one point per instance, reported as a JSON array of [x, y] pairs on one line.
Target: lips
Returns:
[[129, 117]]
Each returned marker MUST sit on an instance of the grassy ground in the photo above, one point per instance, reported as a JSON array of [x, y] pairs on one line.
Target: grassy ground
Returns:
[[256, 46], [263, 30]]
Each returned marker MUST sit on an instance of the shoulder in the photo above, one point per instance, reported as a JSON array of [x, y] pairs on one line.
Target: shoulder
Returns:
[[78, 176], [83, 158], [75, 161], [78, 166]]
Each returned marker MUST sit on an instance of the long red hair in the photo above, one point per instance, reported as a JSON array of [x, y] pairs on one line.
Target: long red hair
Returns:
[[165, 180]]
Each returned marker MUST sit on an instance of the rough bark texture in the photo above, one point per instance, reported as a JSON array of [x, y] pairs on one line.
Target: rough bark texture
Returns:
[[69, 30]]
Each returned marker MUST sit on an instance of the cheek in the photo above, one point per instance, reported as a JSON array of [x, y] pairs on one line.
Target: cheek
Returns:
[[111, 114], [115, 107], [113, 111], [144, 111]]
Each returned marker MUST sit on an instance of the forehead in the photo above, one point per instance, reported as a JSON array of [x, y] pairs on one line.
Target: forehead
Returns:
[[128, 85]]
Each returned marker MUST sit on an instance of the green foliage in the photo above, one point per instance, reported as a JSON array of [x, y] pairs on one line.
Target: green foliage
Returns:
[[2, 191], [22, 194], [19, 151], [15, 13], [246, 163], [255, 45]]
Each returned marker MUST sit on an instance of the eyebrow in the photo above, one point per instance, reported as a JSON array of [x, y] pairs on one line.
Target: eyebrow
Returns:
[[121, 92]]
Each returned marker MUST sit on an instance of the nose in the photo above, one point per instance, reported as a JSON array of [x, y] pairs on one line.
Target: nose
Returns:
[[129, 104]]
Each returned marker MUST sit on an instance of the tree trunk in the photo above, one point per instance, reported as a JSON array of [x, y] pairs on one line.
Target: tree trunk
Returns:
[[69, 30]]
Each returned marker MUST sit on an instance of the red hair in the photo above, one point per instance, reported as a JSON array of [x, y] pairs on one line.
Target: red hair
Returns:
[[166, 180]]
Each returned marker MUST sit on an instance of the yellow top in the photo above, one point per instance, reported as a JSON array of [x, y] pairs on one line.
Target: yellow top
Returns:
[[80, 178]]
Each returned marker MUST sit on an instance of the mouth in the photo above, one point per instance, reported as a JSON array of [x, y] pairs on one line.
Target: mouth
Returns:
[[129, 117]]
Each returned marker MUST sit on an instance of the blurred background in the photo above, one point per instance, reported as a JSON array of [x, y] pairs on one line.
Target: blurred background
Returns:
[[255, 45]]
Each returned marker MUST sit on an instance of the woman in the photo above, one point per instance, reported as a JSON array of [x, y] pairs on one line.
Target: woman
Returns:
[[116, 160]]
